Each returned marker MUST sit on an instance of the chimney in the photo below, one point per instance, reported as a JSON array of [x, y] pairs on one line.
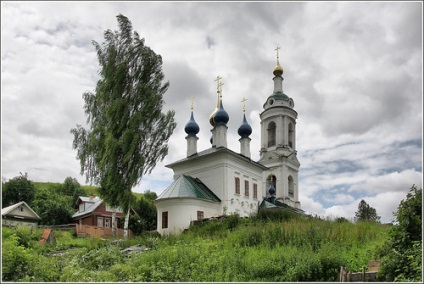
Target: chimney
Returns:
[[92, 196]]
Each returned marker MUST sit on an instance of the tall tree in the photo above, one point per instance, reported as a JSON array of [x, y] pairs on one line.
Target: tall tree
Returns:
[[128, 133], [17, 189], [402, 253], [366, 213]]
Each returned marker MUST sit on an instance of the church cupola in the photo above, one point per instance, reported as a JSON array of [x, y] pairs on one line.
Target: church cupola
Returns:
[[244, 131], [191, 128], [218, 119]]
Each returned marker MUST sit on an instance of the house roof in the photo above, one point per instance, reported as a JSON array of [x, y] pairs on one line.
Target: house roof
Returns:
[[5, 211], [188, 187], [91, 205]]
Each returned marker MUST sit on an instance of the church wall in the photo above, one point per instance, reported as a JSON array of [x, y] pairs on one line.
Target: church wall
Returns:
[[218, 173], [238, 202], [182, 211]]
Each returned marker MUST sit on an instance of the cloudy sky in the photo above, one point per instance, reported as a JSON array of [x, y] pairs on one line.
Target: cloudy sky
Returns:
[[353, 69]]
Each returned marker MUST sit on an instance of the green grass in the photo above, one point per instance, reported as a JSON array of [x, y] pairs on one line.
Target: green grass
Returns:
[[233, 249]]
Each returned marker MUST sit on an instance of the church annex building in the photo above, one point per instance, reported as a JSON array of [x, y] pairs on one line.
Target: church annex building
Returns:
[[219, 181]]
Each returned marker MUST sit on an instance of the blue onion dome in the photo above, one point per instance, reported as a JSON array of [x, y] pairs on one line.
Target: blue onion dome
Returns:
[[191, 128], [221, 116], [271, 190], [245, 129], [211, 117]]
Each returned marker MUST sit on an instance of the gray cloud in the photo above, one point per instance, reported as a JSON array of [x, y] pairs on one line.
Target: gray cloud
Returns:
[[354, 71]]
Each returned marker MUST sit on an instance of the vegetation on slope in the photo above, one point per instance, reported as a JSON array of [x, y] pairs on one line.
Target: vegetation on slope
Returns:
[[230, 249]]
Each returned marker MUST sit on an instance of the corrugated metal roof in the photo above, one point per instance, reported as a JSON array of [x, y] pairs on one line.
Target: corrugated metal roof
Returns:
[[188, 187]]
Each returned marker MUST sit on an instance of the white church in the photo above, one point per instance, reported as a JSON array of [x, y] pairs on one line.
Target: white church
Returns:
[[218, 181]]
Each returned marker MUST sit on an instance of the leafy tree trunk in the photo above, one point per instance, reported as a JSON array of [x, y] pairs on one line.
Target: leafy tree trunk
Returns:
[[114, 223], [127, 217]]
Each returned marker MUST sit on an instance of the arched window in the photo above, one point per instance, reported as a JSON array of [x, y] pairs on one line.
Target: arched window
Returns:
[[291, 186], [271, 179], [291, 135], [271, 133]]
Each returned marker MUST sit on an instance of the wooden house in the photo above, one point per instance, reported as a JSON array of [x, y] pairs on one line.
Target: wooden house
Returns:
[[94, 217], [19, 214]]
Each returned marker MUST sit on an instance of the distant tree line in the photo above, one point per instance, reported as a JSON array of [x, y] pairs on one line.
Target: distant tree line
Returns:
[[56, 203]]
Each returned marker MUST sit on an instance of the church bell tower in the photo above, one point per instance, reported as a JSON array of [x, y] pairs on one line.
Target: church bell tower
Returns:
[[278, 143]]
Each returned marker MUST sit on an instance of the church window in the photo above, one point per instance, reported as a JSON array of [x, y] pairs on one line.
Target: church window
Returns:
[[291, 135], [271, 133], [291, 186], [164, 219], [200, 215], [246, 188], [237, 185], [255, 191]]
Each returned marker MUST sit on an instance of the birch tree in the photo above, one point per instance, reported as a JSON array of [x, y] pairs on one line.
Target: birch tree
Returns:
[[127, 132]]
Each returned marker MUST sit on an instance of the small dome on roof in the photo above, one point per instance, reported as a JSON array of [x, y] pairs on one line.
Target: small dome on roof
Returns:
[[221, 117], [245, 129], [278, 70], [271, 190], [191, 128]]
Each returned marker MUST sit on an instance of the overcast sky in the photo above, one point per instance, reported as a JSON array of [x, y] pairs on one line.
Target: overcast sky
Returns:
[[353, 69]]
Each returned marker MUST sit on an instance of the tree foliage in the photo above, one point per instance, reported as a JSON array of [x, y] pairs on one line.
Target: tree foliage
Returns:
[[17, 189], [128, 133], [56, 203], [146, 218], [402, 254], [366, 213], [53, 207]]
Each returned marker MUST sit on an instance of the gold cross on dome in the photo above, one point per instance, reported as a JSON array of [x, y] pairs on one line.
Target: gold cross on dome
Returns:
[[278, 57], [192, 102], [220, 88], [244, 100], [218, 83]]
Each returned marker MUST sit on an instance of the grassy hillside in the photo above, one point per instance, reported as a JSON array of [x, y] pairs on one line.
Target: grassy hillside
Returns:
[[233, 249], [87, 188]]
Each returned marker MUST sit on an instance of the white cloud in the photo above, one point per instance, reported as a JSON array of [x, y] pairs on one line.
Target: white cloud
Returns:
[[355, 78]]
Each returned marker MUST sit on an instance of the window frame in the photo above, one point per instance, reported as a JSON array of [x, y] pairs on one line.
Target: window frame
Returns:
[[165, 220]]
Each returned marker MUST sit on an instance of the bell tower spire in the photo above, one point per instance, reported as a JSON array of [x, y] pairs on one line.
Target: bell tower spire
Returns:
[[278, 141]]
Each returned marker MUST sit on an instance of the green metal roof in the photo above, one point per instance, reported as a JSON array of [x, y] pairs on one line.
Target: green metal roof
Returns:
[[267, 205], [188, 187], [280, 96]]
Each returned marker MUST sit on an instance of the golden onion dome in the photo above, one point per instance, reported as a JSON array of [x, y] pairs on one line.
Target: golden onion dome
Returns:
[[278, 70]]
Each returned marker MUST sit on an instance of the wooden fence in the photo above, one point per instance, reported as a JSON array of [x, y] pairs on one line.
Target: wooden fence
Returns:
[[102, 232], [364, 276]]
